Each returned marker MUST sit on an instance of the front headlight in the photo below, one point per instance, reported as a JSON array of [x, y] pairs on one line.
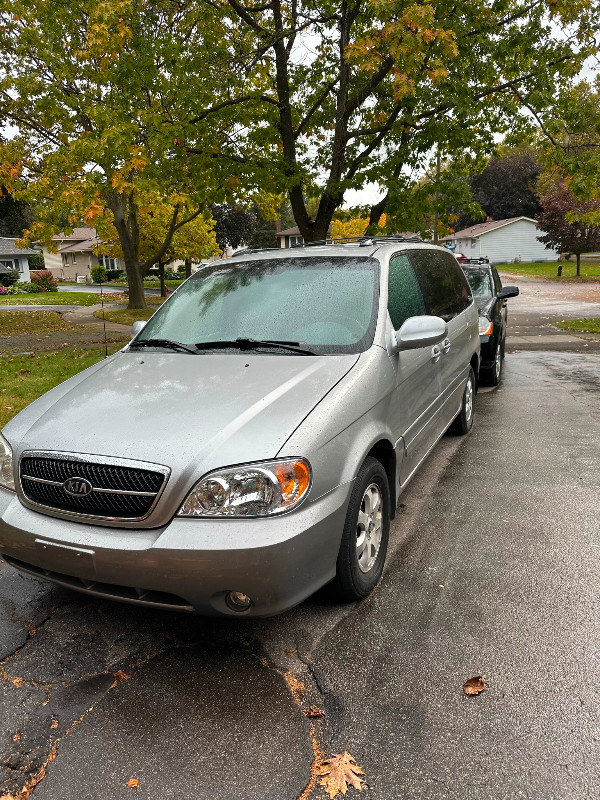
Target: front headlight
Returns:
[[486, 326], [252, 490], [7, 479]]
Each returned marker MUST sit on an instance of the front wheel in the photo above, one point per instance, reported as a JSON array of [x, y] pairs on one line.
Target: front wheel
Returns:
[[492, 376], [463, 422], [366, 532]]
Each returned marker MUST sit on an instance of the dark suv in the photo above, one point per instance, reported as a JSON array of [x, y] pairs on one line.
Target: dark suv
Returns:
[[490, 297]]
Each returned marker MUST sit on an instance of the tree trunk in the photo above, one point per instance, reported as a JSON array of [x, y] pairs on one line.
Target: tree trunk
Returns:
[[161, 276], [135, 282], [578, 256], [188, 267]]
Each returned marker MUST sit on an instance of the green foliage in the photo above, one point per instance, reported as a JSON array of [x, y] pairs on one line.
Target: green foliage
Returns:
[[36, 261], [15, 215], [9, 278], [99, 274], [26, 287]]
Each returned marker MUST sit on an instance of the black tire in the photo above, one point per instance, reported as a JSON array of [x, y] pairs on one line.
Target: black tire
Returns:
[[352, 582], [463, 422], [493, 375]]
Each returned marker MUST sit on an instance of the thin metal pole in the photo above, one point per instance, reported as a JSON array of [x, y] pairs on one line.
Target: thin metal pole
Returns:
[[102, 299]]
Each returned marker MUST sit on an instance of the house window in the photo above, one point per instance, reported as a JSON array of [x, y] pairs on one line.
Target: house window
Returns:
[[295, 240], [9, 265], [73, 258], [109, 262], [473, 242]]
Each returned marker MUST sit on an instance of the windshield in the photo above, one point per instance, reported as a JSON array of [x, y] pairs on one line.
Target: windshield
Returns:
[[328, 304], [480, 282]]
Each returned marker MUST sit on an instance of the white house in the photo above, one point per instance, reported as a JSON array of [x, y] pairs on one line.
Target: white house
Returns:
[[502, 241], [13, 257]]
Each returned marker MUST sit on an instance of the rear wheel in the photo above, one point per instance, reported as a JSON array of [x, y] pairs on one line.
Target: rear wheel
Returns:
[[366, 532], [463, 422]]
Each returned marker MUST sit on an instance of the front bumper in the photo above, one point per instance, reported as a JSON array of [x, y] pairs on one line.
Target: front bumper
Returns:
[[189, 564]]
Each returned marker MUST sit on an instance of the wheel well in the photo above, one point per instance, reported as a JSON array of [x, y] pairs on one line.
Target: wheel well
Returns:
[[383, 451]]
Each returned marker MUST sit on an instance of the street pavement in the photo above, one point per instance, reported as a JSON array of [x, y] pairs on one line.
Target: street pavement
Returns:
[[492, 570]]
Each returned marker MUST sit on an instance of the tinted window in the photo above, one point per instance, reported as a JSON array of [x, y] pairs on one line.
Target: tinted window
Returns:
[[404, 295], [328, 303], [442, 282]]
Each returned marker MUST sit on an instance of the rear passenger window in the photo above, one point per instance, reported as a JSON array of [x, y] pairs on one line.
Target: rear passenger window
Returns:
[[442, 282], [404, 295]]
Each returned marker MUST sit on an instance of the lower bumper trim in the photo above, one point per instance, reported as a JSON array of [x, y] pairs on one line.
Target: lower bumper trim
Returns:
[[108, 591]]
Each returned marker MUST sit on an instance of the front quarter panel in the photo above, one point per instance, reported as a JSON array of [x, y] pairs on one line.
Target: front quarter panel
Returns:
[[343, 427]]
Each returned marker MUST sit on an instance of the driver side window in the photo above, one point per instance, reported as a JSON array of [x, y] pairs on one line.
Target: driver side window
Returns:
[[404, 295]]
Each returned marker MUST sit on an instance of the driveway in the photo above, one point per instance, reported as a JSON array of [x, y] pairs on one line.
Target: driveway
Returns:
[[493, 570]]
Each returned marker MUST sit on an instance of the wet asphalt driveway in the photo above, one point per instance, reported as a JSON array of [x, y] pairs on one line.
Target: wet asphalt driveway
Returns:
[[494, 569]]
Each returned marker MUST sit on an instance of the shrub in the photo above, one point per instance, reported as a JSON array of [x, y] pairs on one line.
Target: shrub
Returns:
[[36, 261], [24, 287], [98, 274], [3, 290], [113, 274], [45, 281], [8, 278]]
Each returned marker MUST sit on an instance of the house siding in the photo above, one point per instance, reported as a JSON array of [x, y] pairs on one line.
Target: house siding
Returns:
[[517, 240]]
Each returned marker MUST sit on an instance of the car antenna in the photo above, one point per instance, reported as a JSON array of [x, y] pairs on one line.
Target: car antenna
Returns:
[[101, 297]]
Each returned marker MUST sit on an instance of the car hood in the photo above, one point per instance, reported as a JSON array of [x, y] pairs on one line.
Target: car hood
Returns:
[[189, 413]]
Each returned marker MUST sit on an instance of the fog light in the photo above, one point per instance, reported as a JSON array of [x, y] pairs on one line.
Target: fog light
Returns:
[[238, 601]]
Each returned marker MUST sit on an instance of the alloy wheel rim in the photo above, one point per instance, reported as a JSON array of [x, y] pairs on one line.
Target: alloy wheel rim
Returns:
[[469, 399], [498, 361], [369, 529]]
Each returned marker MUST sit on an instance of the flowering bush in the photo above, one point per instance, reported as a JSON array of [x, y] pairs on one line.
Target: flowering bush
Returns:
[[3, 290], [45, 280]]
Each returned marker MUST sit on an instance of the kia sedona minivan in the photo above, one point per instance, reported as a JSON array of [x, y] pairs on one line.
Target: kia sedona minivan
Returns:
[[250, 443]]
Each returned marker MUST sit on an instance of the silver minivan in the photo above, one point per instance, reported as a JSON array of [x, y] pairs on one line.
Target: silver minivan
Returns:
[[250, 443]]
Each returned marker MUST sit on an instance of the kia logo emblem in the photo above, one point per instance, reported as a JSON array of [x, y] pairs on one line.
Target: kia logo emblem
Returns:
[[77, 486]]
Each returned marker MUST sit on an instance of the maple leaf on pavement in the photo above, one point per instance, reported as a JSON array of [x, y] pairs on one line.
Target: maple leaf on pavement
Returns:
[[340, 771]]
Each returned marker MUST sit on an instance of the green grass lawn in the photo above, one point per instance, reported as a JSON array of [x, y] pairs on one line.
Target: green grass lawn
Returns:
[[585, 325], [51, 299], [23, 378], [590, 270], [15, 322], [126, 316]]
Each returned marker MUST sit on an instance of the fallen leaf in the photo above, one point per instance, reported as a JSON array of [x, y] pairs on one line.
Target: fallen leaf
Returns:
[[475, 685], [340, 771], [121, 676], [313, 711], [16, 737], [54, 724], [18, 682], [132, 783]]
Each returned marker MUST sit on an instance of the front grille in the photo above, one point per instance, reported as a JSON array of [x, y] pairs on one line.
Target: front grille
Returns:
[[124, 492]]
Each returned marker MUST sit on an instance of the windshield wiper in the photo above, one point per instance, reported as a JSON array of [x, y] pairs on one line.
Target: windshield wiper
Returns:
[[254, 344], [168, 343]]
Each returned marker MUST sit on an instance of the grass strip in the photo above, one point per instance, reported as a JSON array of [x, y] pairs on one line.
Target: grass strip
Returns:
[[585, 325]]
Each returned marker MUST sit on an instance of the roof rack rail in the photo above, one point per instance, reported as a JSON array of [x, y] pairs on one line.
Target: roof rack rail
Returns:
[[362, 241]]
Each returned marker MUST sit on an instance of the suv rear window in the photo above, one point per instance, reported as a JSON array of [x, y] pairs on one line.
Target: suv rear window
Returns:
[[442, 282]]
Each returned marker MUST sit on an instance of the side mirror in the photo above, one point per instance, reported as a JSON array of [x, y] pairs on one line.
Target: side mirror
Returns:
[[419, 332], [508, 291], [137, 327]]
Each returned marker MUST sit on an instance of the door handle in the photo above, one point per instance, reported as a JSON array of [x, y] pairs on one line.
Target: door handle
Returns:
[[446, 344], [435, 353]]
